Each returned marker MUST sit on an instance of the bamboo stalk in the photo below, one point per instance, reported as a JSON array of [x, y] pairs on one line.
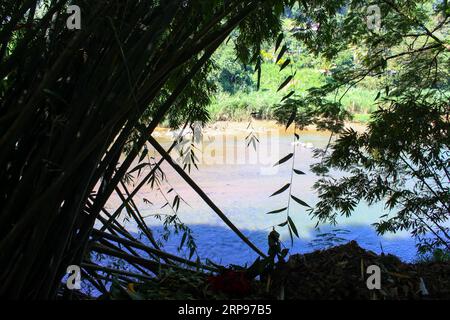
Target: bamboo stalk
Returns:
[[148, 264], [114, 271], [154, 251], [45, 220], [203, 195]]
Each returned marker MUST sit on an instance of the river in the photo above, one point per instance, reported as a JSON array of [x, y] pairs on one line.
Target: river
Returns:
[[240, 180]]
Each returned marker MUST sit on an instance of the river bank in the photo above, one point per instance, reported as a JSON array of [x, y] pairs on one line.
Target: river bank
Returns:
[[240, 180], [345, 272], [240, 128], [259, 125], [324, 262]]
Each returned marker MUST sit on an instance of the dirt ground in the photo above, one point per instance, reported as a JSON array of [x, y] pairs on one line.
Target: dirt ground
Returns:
[[341, 273]]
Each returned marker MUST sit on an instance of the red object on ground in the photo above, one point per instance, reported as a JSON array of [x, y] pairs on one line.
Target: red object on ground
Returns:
[[231, 282]]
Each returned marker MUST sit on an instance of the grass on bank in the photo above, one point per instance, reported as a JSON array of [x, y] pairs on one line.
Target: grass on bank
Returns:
[[238, 106]]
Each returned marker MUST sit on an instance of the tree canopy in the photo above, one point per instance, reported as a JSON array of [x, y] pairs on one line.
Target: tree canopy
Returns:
[[403, 157]]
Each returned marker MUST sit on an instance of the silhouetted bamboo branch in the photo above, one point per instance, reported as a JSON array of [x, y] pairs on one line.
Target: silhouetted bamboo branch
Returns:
[[203, 195]]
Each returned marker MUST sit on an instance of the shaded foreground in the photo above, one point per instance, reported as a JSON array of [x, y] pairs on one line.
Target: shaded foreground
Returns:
[[340, 273], [335, 273]]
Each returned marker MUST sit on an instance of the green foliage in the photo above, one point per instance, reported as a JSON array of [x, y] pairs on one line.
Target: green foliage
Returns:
[[403, 158], [72, 101], [232, 75], [436, 255], [238, 95]]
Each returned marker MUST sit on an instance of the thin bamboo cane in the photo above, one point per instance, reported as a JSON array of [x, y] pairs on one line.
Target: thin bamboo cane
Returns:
[[92, 144], [114, 271], [155, 251], [203, 195]]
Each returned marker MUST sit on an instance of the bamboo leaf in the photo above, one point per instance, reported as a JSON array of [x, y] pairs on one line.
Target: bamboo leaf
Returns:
[[147, 201], [176, 202], [285, 64], [138, 167], [303, 203], [281, 189], [298, 171], [143, 154], [290, 235], [280, 55], [283, 224], [278, 42], [291, 118], [183, 239], [378, 95], [164, 205], [288, 79], [258, 70], [292, 225], [258, 83], [288, 95], [277, 211], [283, 160]]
